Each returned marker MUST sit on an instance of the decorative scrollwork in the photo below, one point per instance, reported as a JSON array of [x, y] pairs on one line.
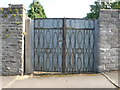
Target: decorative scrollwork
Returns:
[[79, 45]]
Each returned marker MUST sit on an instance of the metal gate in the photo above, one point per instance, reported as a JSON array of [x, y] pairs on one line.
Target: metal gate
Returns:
[[64, 45]]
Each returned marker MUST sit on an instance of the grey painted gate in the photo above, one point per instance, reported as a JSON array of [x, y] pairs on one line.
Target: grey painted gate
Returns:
[[64, 45]]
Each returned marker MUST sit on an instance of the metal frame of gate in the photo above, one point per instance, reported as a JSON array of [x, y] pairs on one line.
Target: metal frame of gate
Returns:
[[64, 45]]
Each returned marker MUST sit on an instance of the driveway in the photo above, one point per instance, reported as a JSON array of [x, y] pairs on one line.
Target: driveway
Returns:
[[58, 81]]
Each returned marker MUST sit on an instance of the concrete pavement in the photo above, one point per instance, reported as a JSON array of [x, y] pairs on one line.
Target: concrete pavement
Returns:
[[114, 76], [6, 80], [57, 81]]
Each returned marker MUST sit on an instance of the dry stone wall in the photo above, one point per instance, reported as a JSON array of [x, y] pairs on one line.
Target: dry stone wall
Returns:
[[11, 22], [109, 45]]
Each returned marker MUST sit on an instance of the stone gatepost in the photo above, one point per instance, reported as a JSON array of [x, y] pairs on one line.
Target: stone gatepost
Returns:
[[109, 44], [12, 39]]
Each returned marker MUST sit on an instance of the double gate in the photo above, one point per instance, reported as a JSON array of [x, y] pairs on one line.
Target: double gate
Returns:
[[64, 45]]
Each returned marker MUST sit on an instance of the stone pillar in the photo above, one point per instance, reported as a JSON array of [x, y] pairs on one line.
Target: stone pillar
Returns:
[[12, 28], [28, 47], [108, 39]]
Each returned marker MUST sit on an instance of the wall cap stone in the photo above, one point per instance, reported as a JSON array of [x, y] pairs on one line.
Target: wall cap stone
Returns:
[[15, 6], [109, 10]]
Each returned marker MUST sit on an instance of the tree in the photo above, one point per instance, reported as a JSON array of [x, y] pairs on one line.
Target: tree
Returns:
[[115, 5], [95, 9], [36, 10]]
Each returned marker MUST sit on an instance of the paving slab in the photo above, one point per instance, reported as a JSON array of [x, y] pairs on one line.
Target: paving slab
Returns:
[[60, 81]]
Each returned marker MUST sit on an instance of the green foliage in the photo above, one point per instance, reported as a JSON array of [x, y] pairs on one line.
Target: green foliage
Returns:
[[10, 10], [2, 9], [95, 9], [16, 10], [115, 5], [21, 15], [4, 16], [14, 15], [17, 23], [36, 11]]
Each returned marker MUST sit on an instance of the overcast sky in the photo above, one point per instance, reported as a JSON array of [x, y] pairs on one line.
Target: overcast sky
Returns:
[[58, 8]]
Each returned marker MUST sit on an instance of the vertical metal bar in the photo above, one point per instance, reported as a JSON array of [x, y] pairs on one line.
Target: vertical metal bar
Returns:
[[34, 49], [38, 47], [84, 51], [64, 46], [34, 38], [95, 46], [34, 45]]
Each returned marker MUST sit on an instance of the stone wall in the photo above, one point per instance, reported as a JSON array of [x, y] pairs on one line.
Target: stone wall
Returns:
[[12, 23], [109, 23]]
